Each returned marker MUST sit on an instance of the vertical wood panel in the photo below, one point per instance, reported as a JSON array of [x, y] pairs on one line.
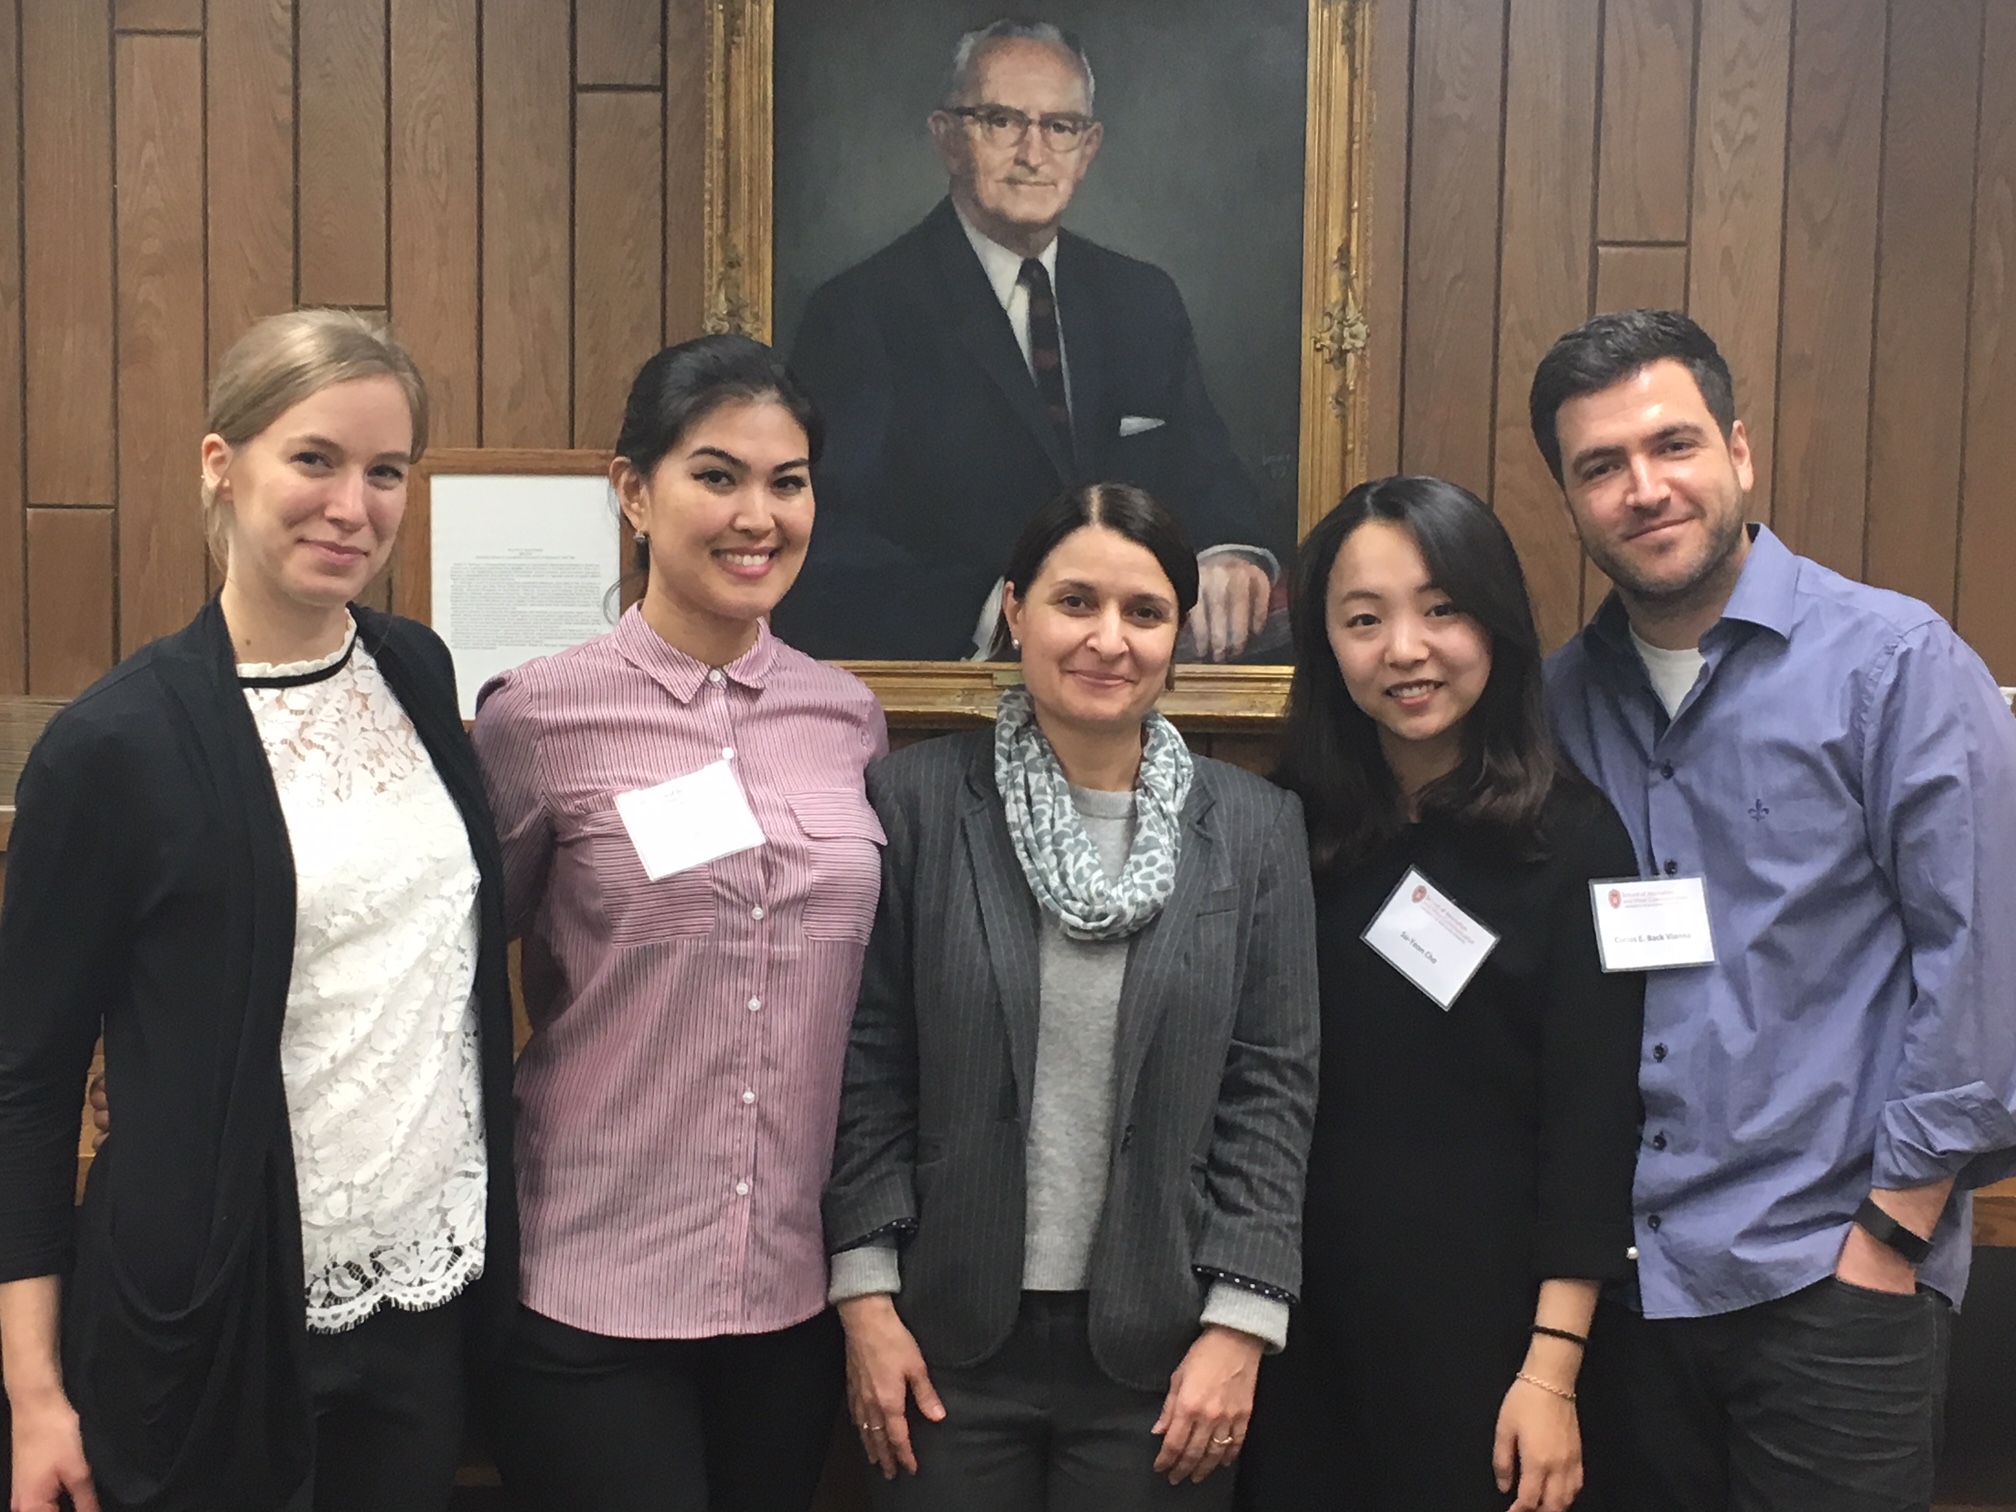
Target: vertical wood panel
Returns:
[[1550, 145], [1386, 235], [1739, 204], [1988, 501], [616, 41], [158, 15], [685, 167], [250, 55], [1640, 278], [1926, 243], [1452, 240], [527, 251], [1648, 100], [435, 206], [66, 67], [1833, 159], [13, 524], [618, 313], [160, 220], [69, 598], [342, 151]]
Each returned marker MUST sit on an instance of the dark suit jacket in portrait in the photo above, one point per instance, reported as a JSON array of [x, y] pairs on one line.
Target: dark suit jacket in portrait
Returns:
[[1214, 1067], [938, 449]]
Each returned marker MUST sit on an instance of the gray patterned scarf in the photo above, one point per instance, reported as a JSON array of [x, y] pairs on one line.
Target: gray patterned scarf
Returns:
[[1058, 856]]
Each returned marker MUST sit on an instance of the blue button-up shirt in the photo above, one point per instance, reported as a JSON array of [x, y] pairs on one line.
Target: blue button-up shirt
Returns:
[[1843, 776]]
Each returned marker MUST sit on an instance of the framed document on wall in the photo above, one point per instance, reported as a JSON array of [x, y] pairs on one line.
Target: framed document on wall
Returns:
[[509, 554]]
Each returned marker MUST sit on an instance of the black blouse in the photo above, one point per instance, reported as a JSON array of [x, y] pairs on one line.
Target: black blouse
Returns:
[[1491, 1144]]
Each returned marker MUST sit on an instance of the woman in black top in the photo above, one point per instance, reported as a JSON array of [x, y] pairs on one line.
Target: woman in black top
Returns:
[[1470, 1178], [257, 858]]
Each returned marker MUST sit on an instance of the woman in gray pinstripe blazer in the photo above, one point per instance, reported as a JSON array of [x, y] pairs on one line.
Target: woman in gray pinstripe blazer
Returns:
[[1066, 1196]]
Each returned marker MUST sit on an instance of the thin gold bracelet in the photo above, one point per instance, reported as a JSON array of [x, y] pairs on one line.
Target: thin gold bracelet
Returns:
[[1549, 1386]]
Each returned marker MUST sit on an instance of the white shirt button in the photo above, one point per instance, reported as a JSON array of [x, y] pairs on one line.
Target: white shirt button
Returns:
[[714, 676], [748, 1096], [727, 753], [1631, 1253], [755, 1003], [741, 1189], [756, 912]]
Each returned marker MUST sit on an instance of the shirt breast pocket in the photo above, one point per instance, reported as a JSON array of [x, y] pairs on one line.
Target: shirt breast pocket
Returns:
[[640, 911], [843, 835]]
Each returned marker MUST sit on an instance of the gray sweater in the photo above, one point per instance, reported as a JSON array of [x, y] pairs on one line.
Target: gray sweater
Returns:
[[1071, 1113]]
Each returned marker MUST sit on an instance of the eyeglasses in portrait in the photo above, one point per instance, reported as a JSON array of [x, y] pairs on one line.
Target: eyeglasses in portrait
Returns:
[[1109, 242]]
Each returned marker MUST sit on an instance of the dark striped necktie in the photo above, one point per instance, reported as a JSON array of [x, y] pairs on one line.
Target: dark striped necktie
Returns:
[[1046, 354]]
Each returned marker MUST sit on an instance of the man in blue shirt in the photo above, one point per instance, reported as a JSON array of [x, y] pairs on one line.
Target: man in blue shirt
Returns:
[[1838, 768]]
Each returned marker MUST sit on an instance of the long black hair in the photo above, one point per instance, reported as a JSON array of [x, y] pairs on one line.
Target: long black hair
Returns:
[[1331, 755], [1122, 508]]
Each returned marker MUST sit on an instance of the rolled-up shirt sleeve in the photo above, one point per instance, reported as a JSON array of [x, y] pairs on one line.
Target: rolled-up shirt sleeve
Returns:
[[866, 1270], [1939, 773]]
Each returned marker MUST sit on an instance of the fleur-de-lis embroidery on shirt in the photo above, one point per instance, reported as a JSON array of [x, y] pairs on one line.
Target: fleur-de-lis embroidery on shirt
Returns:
[[1758, 810]]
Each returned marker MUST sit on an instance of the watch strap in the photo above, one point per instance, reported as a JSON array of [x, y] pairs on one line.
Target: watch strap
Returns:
[[1886, 1230]]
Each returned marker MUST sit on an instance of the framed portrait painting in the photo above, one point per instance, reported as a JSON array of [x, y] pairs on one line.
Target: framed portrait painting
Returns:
[[1115, 241]]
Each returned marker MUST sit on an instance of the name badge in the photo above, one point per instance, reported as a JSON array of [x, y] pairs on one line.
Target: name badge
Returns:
[[699, 817], [1653, 924], [1428, 939]]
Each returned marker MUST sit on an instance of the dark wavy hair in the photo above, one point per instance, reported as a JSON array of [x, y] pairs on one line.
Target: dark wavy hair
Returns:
[[1331, 756], [1605, 351], [1123, 509], [684, 384]]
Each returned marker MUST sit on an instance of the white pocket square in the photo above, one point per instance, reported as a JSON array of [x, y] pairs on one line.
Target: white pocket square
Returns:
[[1133, 425]]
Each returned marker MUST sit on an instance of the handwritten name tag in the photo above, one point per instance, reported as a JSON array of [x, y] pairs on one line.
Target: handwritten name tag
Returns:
[[699, 817], [1652, 925], [1428, 939]]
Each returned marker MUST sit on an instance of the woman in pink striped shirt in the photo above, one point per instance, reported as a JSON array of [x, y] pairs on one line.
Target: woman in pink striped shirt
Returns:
[[692, 866]]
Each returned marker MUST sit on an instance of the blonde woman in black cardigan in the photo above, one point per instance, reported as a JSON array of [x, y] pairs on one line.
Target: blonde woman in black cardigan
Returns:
[[256, 856]]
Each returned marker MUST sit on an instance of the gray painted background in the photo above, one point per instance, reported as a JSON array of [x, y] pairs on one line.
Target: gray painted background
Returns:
[[1200, 173]]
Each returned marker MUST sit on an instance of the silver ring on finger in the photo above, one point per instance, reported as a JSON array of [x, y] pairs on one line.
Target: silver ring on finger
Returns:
[[1220, 1443]]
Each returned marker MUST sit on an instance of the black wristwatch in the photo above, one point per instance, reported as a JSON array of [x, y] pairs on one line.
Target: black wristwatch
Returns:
[[1884, 1229]]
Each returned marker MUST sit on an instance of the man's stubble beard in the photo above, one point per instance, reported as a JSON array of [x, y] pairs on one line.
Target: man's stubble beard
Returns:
[[1700, 585]]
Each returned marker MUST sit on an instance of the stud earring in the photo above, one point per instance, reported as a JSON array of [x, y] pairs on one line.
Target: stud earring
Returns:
[[1013, 644], [640, 538]]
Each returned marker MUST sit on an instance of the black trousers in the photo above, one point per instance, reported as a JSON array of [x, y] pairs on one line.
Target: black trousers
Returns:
[[1829, 1400], [387, 1399], [738, 1423], [1040, 1427]]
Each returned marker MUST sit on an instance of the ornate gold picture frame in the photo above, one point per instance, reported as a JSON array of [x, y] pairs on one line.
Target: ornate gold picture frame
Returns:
[[739, 275]]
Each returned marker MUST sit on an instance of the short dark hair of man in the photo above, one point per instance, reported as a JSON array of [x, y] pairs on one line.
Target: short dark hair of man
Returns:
[[1331, 756], [1605, 351], [1129, 512]]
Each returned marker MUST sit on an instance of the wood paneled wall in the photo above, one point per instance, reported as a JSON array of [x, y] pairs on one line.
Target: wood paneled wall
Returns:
[[1828, 185], [491, 172]]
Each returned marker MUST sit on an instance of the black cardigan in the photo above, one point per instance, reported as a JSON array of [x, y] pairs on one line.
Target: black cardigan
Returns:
[[150, 894]]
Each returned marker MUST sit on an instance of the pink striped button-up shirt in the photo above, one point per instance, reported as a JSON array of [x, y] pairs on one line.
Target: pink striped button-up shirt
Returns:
[[678, 1098]]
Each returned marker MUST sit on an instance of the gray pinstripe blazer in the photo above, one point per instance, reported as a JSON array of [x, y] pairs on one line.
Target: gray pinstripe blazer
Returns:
[[1215, 1066]]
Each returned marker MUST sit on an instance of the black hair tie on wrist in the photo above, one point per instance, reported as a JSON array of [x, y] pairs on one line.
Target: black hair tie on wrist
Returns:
[[1561, 1333]]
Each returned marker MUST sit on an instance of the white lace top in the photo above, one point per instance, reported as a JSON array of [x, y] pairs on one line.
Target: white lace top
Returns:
[[379, 1051]]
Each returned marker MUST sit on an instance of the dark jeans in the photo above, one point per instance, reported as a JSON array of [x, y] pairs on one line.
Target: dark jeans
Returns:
[[737, 1423], [1829, 1400], [1040, 1427], [387, 1399]]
